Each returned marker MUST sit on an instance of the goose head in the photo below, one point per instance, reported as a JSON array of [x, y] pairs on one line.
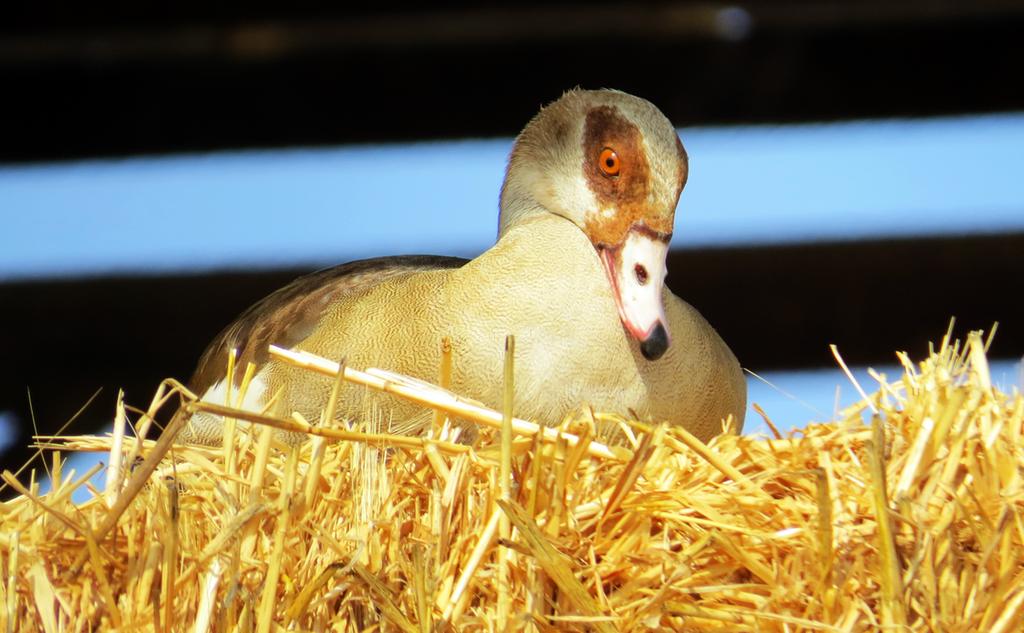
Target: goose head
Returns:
[[611, 164]]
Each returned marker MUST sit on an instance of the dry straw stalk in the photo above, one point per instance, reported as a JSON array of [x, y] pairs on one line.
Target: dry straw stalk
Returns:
[[911, 520]]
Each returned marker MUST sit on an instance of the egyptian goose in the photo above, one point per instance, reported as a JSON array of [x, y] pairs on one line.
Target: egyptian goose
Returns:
[[577, 275]]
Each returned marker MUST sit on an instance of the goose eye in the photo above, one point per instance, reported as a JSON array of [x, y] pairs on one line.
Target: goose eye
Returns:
[[608, 162]]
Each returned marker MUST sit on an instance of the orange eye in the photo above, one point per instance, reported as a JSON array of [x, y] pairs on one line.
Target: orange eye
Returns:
[[608, 162]]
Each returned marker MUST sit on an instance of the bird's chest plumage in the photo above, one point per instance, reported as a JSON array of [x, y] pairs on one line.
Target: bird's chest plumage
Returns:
[[549, 292]]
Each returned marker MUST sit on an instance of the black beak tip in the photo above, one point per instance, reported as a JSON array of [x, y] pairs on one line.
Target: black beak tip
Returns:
[[654, 346]]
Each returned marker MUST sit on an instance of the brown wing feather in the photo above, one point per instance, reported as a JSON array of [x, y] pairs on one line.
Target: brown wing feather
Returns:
[[287, 316]]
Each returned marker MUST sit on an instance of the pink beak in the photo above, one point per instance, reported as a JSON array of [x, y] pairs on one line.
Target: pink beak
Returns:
[[636, 270]]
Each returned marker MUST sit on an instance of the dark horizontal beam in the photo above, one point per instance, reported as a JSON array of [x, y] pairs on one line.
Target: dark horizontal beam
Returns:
[[777, 307], [780, 307], [245, 39], [257, 77]]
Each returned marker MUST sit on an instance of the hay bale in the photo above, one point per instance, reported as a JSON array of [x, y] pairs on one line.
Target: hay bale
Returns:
[[914, 521]]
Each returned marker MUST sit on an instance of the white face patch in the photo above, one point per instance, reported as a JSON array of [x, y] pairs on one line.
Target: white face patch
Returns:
[[637, 271]]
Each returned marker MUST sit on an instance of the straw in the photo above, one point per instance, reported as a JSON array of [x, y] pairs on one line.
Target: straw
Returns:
[[912, 523]]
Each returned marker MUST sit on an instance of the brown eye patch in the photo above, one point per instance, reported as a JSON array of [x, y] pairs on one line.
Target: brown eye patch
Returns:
[[615, 166], [608, 135]]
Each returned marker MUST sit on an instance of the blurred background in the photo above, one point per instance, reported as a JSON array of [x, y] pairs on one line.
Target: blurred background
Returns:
[[857, 172]]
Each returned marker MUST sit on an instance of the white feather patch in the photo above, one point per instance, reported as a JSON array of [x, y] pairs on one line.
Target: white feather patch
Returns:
[[253, 401]]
